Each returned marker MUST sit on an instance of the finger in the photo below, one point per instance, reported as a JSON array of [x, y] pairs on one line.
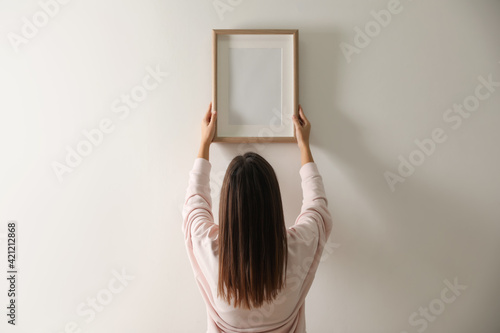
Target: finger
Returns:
[[213, 117], [206, 118], [299, 117], [296, 121], [303, 116], [301, 111]]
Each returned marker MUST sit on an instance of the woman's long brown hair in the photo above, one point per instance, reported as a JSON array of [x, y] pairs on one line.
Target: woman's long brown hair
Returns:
[[252, 233]]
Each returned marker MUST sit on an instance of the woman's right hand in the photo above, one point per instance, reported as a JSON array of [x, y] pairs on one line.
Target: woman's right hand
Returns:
[[302, 131], [302, 128]]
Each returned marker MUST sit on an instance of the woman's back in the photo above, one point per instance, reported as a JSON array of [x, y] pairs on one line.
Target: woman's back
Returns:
[[306, 240], [239, 264]]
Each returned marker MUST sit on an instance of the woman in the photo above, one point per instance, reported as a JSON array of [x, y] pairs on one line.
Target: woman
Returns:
[[253, 273]]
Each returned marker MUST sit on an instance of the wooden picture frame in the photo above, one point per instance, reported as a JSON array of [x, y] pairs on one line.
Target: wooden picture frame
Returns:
[[255, 84]]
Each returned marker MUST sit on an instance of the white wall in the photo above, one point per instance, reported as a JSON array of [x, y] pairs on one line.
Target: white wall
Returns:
[[120, 207]]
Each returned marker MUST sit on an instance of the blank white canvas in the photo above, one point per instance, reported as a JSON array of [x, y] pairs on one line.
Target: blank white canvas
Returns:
[[255, 85], [240, 113]]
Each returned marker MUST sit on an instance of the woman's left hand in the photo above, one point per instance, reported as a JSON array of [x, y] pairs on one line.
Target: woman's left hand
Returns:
[[208, 126]]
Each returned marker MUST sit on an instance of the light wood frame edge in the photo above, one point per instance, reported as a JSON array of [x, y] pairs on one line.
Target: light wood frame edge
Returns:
[[295, 34]]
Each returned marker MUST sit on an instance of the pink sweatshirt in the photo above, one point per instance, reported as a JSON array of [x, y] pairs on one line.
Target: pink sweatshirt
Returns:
[[306, 239]]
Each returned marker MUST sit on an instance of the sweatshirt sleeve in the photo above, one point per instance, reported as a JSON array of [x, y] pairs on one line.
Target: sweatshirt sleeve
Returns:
[[314, 220], [197, 209]]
